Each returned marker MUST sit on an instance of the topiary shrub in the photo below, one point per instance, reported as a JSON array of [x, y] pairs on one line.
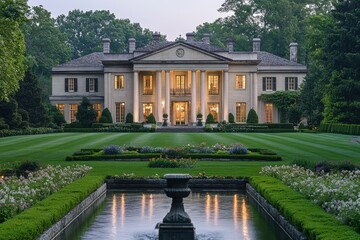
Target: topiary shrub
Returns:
[[252, 117], [106, 114], [231, 118], [150, 118], [210, 118], [129, 118]]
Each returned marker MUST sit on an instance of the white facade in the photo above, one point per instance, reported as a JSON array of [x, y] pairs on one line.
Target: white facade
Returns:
[[181, 78]]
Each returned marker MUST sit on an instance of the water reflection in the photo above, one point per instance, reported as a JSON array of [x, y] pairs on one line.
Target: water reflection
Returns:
[[225, 216]]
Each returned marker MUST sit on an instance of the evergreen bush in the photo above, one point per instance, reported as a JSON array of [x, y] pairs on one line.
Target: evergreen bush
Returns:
[[231, 118], [106, 116], [210, 118], [252, 117], [150, 118], [129, 118]]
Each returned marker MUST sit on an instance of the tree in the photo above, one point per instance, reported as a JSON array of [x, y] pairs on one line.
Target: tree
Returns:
[[210, 118], [46, 46], [252, 117], [86, 114], [105, 116], [10, 113], [12, 46], [150, 118], [29, 99], [129, 118], [85, 31], [231, 118], [57, 117], [342, 61]]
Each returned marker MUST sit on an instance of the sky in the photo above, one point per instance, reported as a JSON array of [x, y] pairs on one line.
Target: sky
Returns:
[[169, 17]]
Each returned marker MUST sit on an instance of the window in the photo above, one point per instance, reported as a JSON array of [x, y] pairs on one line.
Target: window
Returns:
[[61, 108], [97, 108], [91, 85], [147, 109], [291, 83], [213, 81], [118, 81], [120, 112], [269, 84], [268, 112], [70, 84], [73, 111], [240, 81], [214, 110], [148, 88], [241, 112]]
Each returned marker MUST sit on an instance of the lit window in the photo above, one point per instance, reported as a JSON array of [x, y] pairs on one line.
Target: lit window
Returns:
[[213, 81], [73, 111], [71, 84], [97, 108], [147, 110], [268, 112], [148, 88], [118, 81], [291, 83], [214, 110], [241, 112], [91, 85], [61, 108], [120, 112], [240, 81]]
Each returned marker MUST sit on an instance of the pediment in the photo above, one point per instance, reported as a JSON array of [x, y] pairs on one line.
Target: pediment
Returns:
[[180, 52]]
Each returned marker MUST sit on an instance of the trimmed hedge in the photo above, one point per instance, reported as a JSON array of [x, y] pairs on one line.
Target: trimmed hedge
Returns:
[[143, 156], [31, 223], [113, 129], [262, 127], [352, 129], [28, 131], [312, 220]]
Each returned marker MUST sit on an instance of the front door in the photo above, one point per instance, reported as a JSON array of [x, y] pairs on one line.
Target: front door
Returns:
[[180, 113]]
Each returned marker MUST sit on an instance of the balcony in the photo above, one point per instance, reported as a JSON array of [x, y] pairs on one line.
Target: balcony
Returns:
[[180, 91], [147, 91]]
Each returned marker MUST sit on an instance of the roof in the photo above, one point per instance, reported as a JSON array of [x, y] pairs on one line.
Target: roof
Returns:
[[95, 59]]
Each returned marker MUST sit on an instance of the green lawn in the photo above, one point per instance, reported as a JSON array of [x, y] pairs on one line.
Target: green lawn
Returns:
[[53, 148]]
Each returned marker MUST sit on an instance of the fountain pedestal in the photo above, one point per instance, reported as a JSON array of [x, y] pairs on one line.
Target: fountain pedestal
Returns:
[[177, 224]]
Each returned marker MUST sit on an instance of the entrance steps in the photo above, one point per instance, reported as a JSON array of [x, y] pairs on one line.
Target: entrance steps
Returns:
[[180, 129]]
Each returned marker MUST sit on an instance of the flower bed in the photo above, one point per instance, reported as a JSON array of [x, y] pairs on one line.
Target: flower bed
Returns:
[[200, 152], [18, 194], [337, 193]]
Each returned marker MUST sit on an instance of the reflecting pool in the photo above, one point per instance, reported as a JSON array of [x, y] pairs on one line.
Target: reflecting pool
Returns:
[[215, 215]]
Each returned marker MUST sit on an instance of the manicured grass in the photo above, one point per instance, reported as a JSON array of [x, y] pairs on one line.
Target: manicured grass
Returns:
[[53, 148]]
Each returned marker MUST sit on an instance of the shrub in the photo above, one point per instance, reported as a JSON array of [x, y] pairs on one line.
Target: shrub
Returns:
[[231, 118], [252, 117], [24, 125], [165, 115], [171, 163], [150, 118], [210, 118], [238, 149], [353, 129], [106, 116], [25, 167], [112, 150], [73, 125], [129, 118], [4, 126]]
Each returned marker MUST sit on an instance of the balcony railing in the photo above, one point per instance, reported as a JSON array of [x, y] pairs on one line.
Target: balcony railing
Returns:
[[181, 91], [214, 91], [147, 91]]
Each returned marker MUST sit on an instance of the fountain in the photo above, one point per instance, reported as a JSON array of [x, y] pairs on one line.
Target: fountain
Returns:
[[177, 224]]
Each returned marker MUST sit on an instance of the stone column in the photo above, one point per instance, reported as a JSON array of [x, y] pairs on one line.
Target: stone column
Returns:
[[202, 94], [255, 92], [107, 85], [225, 97], [167, 95], [136, 97], [193, 98], [158, 87]]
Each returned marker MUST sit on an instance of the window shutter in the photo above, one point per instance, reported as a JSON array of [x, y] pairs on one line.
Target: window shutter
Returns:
[[66, 85], [87, 85], [96, 84], [75, 85], [296, 83], [274, 84], [264, 84], [286, 84]]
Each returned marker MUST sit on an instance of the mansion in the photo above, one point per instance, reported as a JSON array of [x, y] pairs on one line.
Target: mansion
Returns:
[[181, 78]]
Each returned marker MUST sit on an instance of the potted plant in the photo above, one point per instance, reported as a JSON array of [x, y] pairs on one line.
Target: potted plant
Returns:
[[199, 119], [165, 118]]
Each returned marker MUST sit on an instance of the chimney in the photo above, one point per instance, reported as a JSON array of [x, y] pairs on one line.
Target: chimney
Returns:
[[156, 37], [293, 52], [132, 45], [256, 44], [206, 38], [190, 37], [230, 45], [106, 45]]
